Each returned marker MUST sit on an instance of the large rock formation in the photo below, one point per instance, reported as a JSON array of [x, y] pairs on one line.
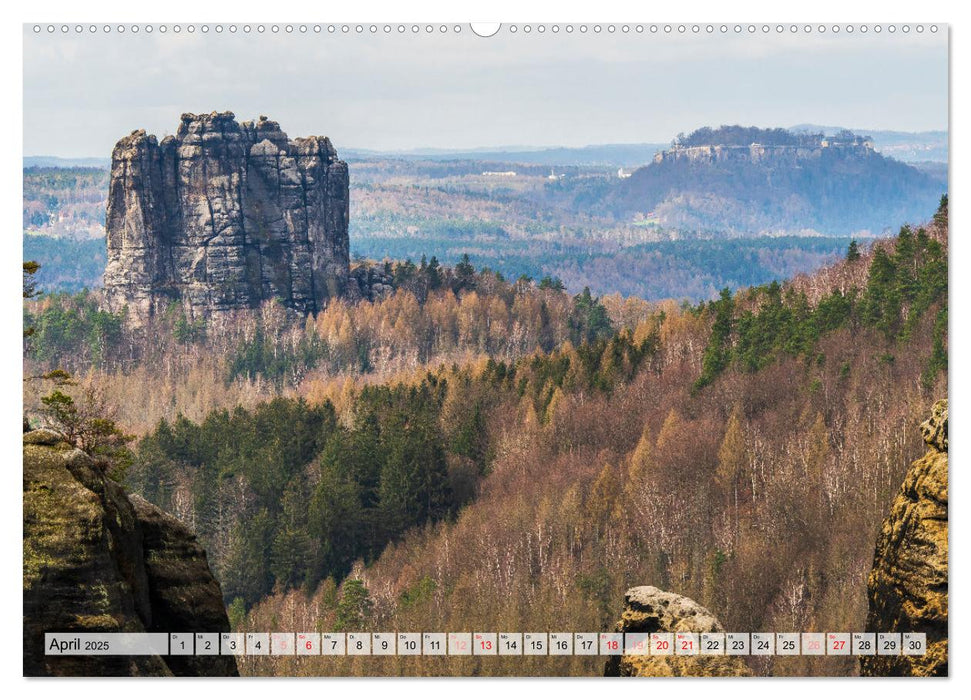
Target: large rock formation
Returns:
[[97, 560], [907, 587], [649, 609], [224, 215]]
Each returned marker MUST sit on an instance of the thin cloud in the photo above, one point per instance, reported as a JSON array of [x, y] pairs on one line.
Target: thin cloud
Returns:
[[82, 93]]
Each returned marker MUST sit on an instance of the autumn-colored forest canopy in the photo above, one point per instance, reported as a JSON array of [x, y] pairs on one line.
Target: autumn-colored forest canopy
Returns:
[[478, 454]]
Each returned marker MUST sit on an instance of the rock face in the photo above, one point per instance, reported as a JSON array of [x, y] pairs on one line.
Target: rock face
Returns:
[[649, 609], [371, 283], [224, 215], [758, 152], [907, 587], [97, 560]]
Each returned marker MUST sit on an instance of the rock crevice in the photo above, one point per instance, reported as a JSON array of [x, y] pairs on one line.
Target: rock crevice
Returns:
[[907, 587], [224, 215], [99, 560]]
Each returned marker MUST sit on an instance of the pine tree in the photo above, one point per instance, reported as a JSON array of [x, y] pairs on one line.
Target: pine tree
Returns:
[[718, 351], [337, 523], [471, 440], [30, 288], [940, 218], [237, 613], [88, 424], [434, 274], [937, 363], [589, 319], [552, 283], [464, 274], [354, 607], [247, 574], [291, 550], [414, 475], [881, 304]]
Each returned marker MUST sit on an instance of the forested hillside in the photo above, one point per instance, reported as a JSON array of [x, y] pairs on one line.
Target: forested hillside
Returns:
[[70, 264], [434, 316], [749, 181], [474, 453], [65, 201], [754, 484]]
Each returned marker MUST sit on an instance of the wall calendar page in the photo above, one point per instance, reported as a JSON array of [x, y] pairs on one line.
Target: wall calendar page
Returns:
[[533, 349]]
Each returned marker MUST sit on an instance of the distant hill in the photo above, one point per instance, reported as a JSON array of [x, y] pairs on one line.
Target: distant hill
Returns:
[[746, 181], [58, 162], [616, 155], [935, 169], [68, 201], [903, 145]]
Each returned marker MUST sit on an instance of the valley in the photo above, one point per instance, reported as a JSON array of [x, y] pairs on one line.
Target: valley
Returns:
[[508, 409]]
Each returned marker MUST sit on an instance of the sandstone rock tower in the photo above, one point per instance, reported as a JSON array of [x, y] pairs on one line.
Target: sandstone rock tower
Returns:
[[225, 215], [907, 587]]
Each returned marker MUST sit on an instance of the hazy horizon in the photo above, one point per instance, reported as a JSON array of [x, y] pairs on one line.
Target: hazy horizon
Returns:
[[395, 92], [512, 148]]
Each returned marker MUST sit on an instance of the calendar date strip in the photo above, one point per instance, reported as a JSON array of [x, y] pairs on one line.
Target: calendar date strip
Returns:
[[486, 644]]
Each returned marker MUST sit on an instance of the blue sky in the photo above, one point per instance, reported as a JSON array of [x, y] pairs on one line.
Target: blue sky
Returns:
[[83, 92]]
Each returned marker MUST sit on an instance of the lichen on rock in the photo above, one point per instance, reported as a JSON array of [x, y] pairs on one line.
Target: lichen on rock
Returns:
[[649, 609], [907, 587], [98, 560]]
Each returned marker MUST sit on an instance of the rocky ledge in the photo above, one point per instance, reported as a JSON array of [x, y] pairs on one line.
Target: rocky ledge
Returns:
[[907, 587], [649, 609], [99, 560]]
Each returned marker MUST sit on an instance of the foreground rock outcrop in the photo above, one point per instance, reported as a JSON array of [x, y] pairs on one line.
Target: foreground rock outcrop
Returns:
[[649, 609], [907, 587], [224, 215], [98, 560]]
